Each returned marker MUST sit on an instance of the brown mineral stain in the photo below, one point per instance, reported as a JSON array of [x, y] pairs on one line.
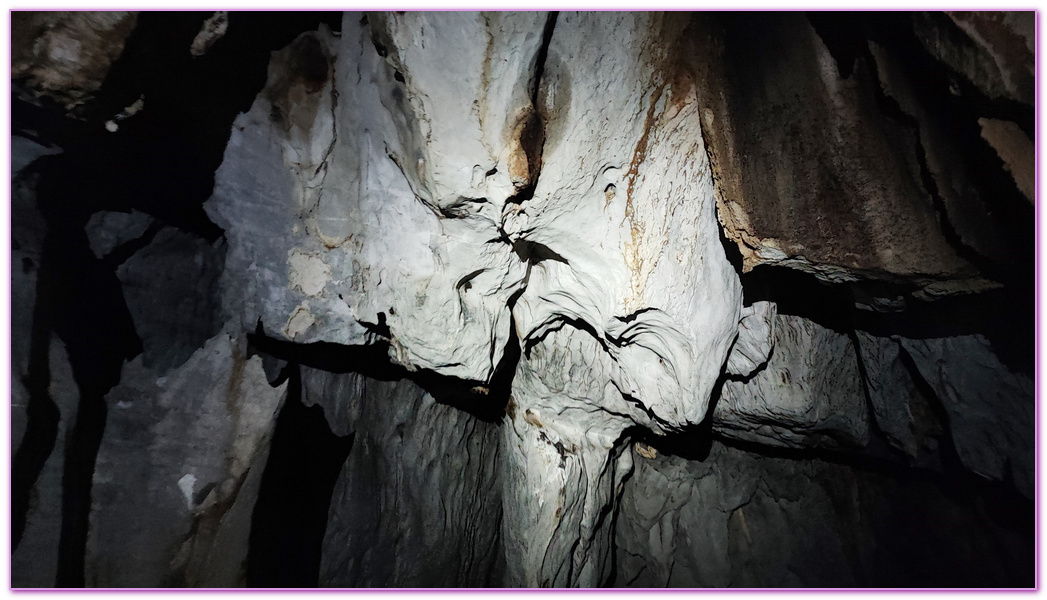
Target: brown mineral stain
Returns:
[[297, 74], [633, 260]]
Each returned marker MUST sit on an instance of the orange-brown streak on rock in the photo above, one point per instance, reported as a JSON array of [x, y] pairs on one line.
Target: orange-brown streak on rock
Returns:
[[636, 229]]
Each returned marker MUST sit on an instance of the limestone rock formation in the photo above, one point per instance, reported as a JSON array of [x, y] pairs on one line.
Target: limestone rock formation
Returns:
[[893, 395], [804, 204], [106, 230], [193, 440], [171, 289], [852, 160], [810, 392], [994, 50], [321, 278], [24, 151], [533, 299], [65, 55], [418, 501], [1016, 151], [991, 409], [34, 563], [737, 519], [385, 211], [27, 242], [564, 465], [756, 339], [212, 30]]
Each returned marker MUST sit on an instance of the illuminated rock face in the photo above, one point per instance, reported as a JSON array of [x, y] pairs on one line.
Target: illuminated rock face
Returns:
[[477, 302], [403, 183], [524, 204]]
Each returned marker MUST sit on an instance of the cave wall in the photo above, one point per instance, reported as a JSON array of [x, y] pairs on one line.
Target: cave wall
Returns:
[[194, 440], [418, 501], [533, 299], [851, 147], [744, 519]]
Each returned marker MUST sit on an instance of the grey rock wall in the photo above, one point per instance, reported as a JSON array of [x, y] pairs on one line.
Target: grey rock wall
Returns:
[[991, 409], [511, 256], [177, 474], [34, 562], [738, 519], [171, 289], [809, 393], [418, 502], [106, 230]]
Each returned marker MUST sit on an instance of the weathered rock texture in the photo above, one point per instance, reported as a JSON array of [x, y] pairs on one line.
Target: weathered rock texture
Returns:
[[27, 242], [418, 502], [991, 410], [65, 55], [178, 471], [319, 277], [564, 465], [24, 151], [212, 30], [171, 289], [894, 397], [833, 187], [361, 203], [966, 209], [743, 520], [987, 408], [810, 392], [853, 159], [504, 255], [994, 50], [319, 263], [1016, 150]]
